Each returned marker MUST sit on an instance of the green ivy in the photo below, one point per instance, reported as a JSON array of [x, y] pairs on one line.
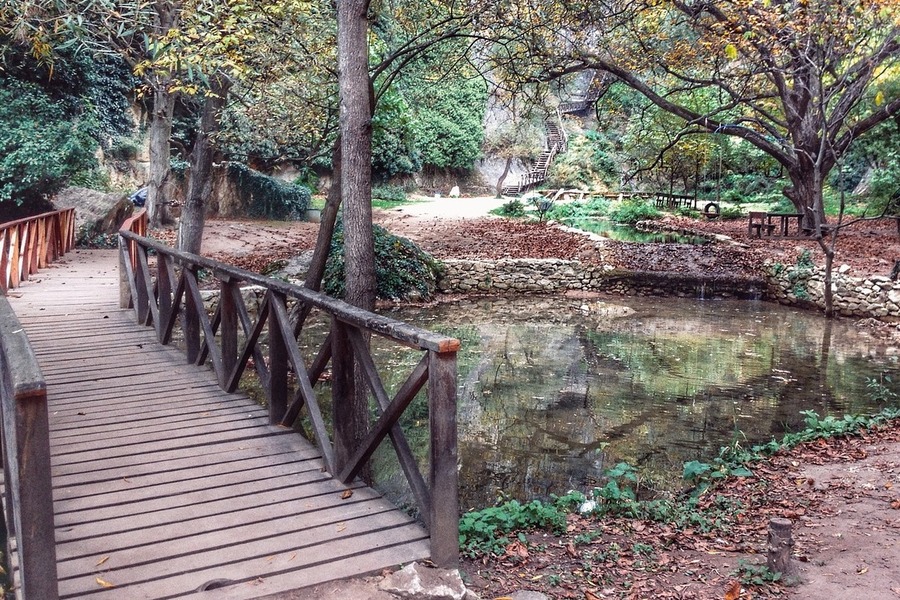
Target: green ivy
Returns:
[[268, 197], [487, 531], [402, 270]]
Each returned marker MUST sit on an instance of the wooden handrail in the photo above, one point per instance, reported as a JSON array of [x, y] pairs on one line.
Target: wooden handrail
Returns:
[[26, 462], [27, 245], [165, 294]]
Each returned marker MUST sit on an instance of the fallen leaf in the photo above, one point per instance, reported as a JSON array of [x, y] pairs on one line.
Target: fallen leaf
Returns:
[[588, 595], [862, 570], [341, 527], [734, 591], [104, 583], [346, 494], [570, 550], [101, 561]]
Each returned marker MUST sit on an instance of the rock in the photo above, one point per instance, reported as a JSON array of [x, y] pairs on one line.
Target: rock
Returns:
[[527, 595], [103, 213], [417, 582], [844, 269], [454, 192]]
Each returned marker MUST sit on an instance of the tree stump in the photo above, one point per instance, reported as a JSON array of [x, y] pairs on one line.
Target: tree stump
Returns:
[[781, 544]]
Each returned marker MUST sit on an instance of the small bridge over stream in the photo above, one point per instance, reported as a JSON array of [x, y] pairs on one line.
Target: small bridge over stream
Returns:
[[131, 470]]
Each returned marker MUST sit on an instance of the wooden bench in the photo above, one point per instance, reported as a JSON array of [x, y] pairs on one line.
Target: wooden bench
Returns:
[[758, 222]]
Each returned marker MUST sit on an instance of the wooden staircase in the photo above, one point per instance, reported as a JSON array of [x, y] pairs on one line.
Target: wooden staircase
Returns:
[[557, 141]]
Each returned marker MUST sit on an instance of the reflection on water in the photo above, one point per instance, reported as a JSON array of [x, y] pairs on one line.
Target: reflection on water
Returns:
[[552, 391]]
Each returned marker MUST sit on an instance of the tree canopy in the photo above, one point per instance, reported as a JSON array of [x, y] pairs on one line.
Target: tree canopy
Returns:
[[801, 80]]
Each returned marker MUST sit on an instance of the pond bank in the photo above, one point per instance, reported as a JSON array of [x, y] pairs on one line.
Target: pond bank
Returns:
[[799, 285]]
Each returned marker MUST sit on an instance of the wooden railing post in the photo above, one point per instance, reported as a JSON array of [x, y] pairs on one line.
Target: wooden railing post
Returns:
[[26, 460], [278, 367], [191, 320], [343, 394], [444, 475], [228, 328]]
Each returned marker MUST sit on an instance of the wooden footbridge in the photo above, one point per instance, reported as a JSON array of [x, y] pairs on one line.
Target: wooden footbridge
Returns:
[[131, 470]]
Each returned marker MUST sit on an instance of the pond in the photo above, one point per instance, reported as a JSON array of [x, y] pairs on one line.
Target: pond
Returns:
[[553, 391], [627, 233]]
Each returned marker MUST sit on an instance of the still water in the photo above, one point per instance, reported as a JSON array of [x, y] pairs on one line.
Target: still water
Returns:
[[553, 391]]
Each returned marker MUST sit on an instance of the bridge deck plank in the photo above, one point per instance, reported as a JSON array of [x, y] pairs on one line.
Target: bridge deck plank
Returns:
[[162, 482]]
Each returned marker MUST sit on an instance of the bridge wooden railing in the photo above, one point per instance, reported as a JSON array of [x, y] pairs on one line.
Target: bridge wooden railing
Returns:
[[30, 244], [28, 499], [165, 293]]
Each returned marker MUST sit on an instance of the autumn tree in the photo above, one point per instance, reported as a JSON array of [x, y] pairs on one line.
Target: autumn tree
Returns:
[[135, 31], [797, 79]]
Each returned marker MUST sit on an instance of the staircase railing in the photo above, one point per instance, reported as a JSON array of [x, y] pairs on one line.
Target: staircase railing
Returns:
[[28, 498], [165, 293], [30, 244]]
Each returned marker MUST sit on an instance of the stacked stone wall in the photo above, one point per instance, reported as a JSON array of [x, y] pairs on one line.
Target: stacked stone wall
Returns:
[[545, 276], [856, 297]]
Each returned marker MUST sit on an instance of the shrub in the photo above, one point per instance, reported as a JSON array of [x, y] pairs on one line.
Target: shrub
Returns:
[[268, 197], [40, 148], [389, 193], [402, 269], [731, 213], [631, 211], [513, 208]]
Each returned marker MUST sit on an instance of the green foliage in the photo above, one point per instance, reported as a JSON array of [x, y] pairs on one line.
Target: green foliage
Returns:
[[41, 146], [752, 574], [590, 160], [88, 237], [879, 391], [448, 128], [800, 273], [487, 531], [402, 269], [731, 213], [687, 211], [268, 197], [389, 193], [394, 150], [513, 208], [541, 204], [631, 211]]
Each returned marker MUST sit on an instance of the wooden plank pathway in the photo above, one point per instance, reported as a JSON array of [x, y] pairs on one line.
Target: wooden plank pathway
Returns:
[[163, 483]]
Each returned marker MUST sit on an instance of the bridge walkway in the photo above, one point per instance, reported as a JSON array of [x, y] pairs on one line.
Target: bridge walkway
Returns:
[[163, 484]]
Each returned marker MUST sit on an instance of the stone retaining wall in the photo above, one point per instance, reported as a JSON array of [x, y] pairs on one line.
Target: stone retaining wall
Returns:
[[539, 276], [872, 297]]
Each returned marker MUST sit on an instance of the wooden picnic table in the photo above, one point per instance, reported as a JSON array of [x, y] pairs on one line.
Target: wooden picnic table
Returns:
[[784, 220]]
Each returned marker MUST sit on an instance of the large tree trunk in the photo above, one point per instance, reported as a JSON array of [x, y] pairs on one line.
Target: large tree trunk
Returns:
[[193, 216], [805, 193], [159, 194], [158, 188], [351, 404]]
